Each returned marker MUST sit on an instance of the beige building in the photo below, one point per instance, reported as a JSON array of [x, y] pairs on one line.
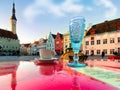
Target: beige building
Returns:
[[24, 49], [9, 42], [66, 41], [103, 37]]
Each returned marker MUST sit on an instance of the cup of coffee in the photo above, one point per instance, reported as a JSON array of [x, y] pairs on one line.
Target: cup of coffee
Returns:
[[45, 54]]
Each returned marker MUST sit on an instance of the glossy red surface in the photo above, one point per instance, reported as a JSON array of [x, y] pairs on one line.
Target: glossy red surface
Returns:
[[114, 58], [28, 75]]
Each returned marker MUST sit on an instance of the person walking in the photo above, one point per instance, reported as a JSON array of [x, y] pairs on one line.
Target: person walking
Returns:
[[103, 54]]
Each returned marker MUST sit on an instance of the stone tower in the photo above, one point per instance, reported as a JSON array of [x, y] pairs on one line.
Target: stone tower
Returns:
[[13, 20]]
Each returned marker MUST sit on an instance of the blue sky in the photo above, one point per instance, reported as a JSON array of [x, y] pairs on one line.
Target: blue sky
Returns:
[[36, 18]]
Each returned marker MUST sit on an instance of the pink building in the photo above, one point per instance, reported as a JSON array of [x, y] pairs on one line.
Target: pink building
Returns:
[[104, 36]]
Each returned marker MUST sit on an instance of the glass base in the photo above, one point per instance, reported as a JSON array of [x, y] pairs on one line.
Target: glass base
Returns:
[[76, 64]]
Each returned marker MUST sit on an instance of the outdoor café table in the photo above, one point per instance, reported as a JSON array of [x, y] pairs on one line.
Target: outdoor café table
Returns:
[[114, 58]]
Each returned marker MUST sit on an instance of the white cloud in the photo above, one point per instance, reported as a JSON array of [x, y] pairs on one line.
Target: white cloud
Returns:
[[69, 6], [111, 9], [32, 11], [89, 8], [49, 7]]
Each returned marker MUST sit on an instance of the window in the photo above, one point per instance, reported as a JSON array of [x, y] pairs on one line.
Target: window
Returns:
[[105, 51], [57, 42], [111, 51], [98, 41], [92, 52], [66, 39], [111, 40], [66, 46], [118, 49], [57, 47], [118, 39], [104, 41], [92, 38], [87, 42], [0, 47], [87, 52], [98, 52], [92, 42]]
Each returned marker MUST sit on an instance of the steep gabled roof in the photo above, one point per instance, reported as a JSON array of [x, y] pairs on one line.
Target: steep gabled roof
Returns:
[[27, 44], [106, 26], [45, 40], [54, 36], [7, 34], [61, 35], [36, 42]]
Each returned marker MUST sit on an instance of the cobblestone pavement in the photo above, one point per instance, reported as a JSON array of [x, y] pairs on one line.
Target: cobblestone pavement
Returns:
[[97, 57], [6, 58], [11, 58]]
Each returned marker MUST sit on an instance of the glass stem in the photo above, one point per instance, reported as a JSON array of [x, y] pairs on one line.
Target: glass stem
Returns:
[[76, 57]]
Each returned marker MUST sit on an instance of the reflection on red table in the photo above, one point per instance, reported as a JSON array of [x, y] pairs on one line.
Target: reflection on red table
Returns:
[[114, 57], [30, 76]]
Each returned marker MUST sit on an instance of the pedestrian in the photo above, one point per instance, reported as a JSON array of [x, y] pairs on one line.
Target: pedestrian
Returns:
[[103, 54], [92, 53]]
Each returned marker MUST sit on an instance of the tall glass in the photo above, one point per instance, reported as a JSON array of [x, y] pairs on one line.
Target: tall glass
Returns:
[[76, 28]]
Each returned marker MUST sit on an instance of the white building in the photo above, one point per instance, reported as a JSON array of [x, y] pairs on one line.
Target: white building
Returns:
[[9, 42], [103, 37], [50, 42]]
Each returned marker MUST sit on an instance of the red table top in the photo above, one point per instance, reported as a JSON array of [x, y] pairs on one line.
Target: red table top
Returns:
[[113, 57], [26, 75]]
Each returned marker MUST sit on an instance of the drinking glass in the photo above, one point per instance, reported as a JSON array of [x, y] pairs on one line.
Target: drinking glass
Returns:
[[76, 28]]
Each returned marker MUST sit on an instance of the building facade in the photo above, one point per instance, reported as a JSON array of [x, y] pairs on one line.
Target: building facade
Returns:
[[9, 42], [103, 37], [24, 49], [66, 41], [42, 44], [59, 44], [50, 42]]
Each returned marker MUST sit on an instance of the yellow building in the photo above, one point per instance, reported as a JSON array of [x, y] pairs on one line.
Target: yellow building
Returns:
[[66, 41]]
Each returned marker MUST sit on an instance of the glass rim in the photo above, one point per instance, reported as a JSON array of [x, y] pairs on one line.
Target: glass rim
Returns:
[[77, 17]]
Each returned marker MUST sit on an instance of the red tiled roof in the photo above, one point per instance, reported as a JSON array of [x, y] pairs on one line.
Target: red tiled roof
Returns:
[[106, 26], [36, 42], [7, 34], [27, 45], [45, 40]]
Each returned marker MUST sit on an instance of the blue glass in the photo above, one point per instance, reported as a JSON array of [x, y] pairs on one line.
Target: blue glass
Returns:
[[76, 28]]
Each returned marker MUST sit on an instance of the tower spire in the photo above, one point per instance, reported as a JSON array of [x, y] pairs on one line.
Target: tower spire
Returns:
[[13, 12], [13, 19]]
